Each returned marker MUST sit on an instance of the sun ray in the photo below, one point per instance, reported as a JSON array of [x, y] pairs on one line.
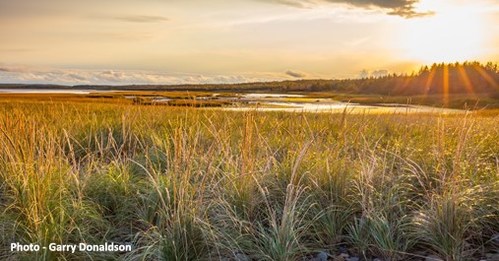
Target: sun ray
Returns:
[[486, 76], [429, 81], [446, 85], [466, 81], [404, 85]]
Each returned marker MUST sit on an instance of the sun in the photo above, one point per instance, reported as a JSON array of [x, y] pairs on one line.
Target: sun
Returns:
[[456, 32]]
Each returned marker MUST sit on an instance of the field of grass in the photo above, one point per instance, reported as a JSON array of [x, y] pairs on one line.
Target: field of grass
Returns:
[[187, 184]]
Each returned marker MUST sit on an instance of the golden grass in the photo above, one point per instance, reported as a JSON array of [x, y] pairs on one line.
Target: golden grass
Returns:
[[187, 184]]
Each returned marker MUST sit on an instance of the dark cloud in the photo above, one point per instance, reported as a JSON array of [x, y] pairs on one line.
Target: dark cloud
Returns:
[[295, 74], [403, 8]]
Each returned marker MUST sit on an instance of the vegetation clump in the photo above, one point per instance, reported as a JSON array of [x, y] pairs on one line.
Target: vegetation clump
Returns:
[[188, 184]]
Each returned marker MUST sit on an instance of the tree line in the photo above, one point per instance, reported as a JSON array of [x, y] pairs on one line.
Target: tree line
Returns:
[[439, 78]]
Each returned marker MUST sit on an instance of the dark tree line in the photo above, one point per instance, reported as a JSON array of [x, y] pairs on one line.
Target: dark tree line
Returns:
[[452, 78]]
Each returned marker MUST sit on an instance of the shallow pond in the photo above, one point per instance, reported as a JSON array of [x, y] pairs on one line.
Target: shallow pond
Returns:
[[264, 102], [342, 107]]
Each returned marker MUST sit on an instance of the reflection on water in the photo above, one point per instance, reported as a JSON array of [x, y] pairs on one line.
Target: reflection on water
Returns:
[[342, 107], [159, 100], [271, 95]]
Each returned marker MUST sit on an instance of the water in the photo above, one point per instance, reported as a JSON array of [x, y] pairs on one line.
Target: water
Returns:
[[270, 102], [331, 106], [271, 95], [161, 100]]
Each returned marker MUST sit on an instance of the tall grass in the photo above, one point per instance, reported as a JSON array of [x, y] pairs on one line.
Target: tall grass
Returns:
[[191, 184]]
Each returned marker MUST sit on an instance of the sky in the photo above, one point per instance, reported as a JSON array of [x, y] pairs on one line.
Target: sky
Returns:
[[226, 41]]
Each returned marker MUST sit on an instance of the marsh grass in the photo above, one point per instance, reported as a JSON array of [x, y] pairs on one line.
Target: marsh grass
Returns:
[[187, 184]]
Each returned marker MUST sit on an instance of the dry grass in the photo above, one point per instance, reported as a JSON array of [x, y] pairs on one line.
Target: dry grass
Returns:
[[188, 184]]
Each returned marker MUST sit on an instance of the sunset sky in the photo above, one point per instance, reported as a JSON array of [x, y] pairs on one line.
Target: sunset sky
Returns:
[[215, 41]]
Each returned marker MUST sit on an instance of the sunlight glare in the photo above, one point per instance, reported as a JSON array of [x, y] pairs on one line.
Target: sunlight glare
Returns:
[[453, 33]]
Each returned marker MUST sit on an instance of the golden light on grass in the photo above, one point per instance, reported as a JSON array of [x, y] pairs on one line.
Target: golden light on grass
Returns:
[[197, 130], [170, 181]]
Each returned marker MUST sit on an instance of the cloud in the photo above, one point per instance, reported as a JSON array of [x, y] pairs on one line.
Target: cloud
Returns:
[[379, 73], [132, 18], [141, 18], [12, 69], [403, 8], [16, 50], [295, 74], [376, 73], [29, 75], [364, 74], [294, 3]]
